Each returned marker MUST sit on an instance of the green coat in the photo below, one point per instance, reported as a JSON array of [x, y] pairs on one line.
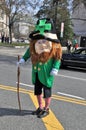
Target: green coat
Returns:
[[43, 70]]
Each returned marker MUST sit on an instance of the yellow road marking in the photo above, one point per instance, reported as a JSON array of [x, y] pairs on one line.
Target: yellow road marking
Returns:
[[72, 100], [15, 89], [50, 122], [62, 98]]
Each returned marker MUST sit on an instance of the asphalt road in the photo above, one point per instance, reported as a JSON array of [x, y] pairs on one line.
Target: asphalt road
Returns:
[[68, 105]]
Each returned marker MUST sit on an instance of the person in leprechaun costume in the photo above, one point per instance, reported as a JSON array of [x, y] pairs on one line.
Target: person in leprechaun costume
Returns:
[[45, 51]]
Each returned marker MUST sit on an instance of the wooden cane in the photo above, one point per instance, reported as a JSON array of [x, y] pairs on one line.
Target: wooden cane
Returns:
[[18, 81]]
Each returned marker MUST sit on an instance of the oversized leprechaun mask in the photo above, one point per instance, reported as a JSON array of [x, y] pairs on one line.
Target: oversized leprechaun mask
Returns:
[[42, 46], [44, 42]]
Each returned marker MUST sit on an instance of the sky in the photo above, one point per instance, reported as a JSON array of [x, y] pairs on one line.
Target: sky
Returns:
[[37, 4]]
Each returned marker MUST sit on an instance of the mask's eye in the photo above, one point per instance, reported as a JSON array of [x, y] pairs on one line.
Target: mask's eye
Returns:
[[39, 42], [44, 41]]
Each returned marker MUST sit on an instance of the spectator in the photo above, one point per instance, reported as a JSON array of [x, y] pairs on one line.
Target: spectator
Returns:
[[69, 45], [2, 38], [75, 44], [6, 39]]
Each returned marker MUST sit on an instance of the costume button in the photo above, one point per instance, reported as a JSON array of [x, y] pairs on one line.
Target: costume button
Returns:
[[34, 67], [39, 69], [40, 63]]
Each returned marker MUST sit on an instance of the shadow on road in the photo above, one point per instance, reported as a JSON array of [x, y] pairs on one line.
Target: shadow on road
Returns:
[[14, 112]]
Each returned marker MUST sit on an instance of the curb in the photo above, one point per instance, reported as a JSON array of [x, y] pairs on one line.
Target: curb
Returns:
[[19, 47]]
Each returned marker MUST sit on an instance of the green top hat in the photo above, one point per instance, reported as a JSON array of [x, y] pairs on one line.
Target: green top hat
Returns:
[[44, 29]]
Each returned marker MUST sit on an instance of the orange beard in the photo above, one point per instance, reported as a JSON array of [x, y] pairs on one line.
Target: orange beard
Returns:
[[56, 53]]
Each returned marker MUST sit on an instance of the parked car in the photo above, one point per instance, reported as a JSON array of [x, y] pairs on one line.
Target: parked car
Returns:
[[76, 58], [20, 40]]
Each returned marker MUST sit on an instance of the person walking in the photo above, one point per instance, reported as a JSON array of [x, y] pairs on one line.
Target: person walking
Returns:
[[69, 44], [2, 38], [45, 51]]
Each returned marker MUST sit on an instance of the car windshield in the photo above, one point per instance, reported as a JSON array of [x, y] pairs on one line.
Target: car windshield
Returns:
[[79, 52]]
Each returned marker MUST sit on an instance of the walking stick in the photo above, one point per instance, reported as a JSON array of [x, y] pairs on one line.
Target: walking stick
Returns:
[[18, 81]]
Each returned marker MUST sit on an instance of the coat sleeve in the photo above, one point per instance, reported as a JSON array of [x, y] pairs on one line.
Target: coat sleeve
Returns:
[[58, 56], [56, 64], [26, 56]]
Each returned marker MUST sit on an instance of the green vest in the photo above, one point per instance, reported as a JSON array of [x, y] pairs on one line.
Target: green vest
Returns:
[[43, 70]]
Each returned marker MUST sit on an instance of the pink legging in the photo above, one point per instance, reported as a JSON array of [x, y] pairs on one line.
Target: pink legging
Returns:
[[47, 101]]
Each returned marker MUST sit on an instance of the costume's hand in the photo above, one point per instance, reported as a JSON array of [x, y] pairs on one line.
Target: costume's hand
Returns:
[[54, 72], [21, 62]]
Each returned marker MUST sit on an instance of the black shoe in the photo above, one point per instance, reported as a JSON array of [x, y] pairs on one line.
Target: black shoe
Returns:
[[37, 111], [43, 113]]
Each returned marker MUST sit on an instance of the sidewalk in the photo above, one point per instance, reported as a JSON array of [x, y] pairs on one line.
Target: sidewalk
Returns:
[[15, 51], [12, 51]]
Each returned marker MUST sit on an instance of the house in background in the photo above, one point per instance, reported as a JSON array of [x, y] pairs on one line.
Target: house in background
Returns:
[[20, 29], [79, 24]]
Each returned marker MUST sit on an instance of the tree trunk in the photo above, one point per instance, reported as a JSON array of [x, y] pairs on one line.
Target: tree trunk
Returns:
[[10, 30], [10, 34]]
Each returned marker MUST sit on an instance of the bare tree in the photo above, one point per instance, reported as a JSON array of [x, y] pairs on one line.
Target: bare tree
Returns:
[[15, 8]]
